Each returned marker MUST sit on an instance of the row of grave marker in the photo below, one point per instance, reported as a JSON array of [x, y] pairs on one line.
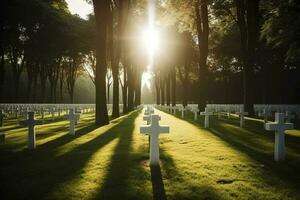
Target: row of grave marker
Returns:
[[72, 112], [31, 122], [281, 124]]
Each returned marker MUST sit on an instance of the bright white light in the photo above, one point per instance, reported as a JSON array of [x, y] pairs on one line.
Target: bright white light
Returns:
[[146, 78], [151, 41], [80, 7]]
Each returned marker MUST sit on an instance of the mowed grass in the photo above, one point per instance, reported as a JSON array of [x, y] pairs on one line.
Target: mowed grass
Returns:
[[111, 162]]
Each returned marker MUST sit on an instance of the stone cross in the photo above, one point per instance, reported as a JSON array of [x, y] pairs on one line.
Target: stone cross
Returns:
[[228, 113], [154, 129], [59, 111], [72, 118], [149, 111], [42, 113], [169, 109], [25, 114], [53, 113], [195, 110], [279, 127], [17, 112], [289, 116], [2, 115], [147, 118], [31, 123], [78, 112], [182, 109], [174, 110], [266, 114], [242, 115], [206, 113]]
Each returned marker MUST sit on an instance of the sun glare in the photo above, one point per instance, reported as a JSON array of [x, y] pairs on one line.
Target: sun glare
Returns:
[[151, 41], [146, 79]]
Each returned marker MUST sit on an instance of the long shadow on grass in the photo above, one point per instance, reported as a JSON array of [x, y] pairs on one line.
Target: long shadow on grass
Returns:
[[244, 140], [158, 187], [123, 166], [35, 174], [181, 186]]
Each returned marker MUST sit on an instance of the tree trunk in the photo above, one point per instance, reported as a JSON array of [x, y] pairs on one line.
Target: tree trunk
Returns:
[[168, 92], [249, 36], [162, 90], [115, 109], [124, 91], [108, 87], [173, 77], [131, 80], [35, 79], [157, 87], [30, 72], [202, 33], [2, 73], [61, 83], [138, 84], [43, 77], [101, 10]]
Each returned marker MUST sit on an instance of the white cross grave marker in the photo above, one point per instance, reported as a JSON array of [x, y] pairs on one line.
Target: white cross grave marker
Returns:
[[78, 112], [279, 127], [31, 123], [174, 110], [147, 118], [289, 116], [266, 114], [2, 115], [195, 110], [242, 115], [43, 114], [53, 114], [149, 110], [182, 109], [206, 119], [72, 118], [154, 129], [25, 114]]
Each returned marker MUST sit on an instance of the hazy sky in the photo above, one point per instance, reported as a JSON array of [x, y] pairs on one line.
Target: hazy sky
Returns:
[[80, 7]]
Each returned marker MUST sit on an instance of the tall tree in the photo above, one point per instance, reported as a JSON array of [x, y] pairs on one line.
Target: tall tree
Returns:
[[101, 10], [201, 12], [248, 22]]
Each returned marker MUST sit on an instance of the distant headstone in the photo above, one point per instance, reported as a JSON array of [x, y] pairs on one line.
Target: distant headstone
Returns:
[[242, 115], [25, 114], [147, 118], [72, 119], [149, 110], [182, 109], [266, 114], [206, 113], [53, 113], [31, 123], [289, 116], [279, 127], [174, 110], [195, 110], [77, 112], [154, 129], [2, 115]]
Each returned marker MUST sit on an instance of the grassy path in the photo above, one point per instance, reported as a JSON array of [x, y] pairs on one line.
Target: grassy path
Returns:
[[111, 162]]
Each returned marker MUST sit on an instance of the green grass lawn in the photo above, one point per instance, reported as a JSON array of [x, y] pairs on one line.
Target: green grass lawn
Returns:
[[111, 162]]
